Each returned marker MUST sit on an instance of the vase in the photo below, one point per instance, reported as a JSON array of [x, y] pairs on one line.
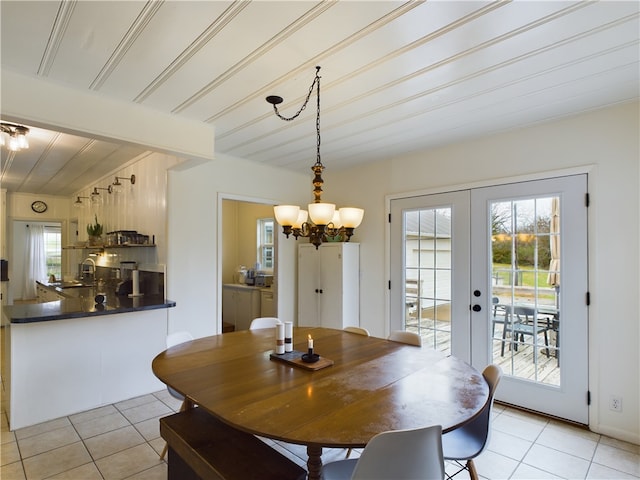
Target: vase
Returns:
[[95, 240]]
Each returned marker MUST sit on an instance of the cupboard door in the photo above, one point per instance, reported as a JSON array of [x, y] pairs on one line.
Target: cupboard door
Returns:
[[308, 266], [330, 286]]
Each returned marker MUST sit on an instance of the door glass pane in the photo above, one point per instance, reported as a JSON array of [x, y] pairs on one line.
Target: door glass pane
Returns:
[[427, 292], [525, 274]]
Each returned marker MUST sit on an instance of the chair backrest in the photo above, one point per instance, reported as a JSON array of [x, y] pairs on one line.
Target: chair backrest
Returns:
[[358, 330], [523, 314], [402, 455], [264, 322], [178, 338], [406, 337], [480, 427]]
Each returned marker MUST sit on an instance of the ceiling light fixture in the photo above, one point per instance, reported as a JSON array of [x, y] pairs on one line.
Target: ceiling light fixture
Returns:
[[13, 136], [78, 203], [95, 195], [118, 187], [322, 222]]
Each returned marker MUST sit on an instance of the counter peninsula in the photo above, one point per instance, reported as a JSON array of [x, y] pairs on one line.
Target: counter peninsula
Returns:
[[71, 355]]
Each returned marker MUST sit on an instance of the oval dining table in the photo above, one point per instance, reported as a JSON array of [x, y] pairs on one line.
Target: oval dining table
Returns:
[[373, 385]]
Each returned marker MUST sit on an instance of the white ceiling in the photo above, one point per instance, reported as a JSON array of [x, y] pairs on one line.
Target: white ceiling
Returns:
[[397, 77]]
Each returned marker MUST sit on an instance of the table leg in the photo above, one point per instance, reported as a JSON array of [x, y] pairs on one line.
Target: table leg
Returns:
[[314, 462]]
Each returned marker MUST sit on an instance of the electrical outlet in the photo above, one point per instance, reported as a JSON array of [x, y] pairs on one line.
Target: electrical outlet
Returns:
[[615, 403]]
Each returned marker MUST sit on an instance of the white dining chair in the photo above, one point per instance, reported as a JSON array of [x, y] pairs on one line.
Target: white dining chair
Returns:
[[172, 340], [394, 455], [409, 338], [358, 330], [264, 322]]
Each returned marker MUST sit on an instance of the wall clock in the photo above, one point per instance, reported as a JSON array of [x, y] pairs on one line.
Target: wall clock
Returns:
[[39, 206]]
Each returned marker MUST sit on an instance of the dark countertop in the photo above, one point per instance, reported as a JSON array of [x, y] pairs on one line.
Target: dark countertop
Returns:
[[83, 304]]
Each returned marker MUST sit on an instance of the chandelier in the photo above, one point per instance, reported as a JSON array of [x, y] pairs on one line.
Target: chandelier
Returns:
[[16, 135], [322, 222]]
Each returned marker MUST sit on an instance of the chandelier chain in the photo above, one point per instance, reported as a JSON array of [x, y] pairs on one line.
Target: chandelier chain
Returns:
[[304, 105]]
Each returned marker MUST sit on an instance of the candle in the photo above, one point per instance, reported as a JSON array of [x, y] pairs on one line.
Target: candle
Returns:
[[310, 349]]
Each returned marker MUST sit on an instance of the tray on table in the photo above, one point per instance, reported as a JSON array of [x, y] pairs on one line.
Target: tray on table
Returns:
[[295, 358]]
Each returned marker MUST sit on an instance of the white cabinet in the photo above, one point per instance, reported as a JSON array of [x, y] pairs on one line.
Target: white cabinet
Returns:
[[267, 303], [329, 285], [240, 305]]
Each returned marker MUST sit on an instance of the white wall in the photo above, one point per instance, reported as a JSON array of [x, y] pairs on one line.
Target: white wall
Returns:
[[606, 140], [194, 258], [141, 206]]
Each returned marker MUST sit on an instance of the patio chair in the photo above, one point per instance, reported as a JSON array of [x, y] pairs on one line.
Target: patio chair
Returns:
[[519, 320]]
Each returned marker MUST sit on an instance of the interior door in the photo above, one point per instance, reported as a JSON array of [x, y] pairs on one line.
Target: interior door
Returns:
[[499, 275]]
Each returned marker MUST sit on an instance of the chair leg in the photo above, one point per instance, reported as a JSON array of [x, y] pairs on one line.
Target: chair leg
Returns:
[[164, 451], [504, 337], [348, 453], [546, 342], [473, 474], [185, 405]]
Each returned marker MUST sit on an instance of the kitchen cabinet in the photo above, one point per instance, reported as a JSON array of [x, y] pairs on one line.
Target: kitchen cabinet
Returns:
[[329, 285], [267, 303], [240, 305]]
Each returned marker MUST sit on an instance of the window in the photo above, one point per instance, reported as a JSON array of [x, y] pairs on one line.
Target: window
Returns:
[[265, 244], [53, 250]]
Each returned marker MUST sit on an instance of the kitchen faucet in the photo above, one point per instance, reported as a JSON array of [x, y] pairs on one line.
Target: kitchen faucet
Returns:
[[92, 272]]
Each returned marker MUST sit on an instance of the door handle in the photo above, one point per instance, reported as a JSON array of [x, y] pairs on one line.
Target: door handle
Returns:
[[476, 308]]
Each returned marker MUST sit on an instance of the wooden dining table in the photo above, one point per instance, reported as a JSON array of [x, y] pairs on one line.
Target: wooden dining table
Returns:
[[373, 385]]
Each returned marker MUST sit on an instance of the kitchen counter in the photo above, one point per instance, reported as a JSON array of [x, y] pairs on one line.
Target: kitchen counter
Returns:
[[71, 355], [83, 305]]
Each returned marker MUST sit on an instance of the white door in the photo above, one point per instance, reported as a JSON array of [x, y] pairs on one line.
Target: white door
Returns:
[[519, 298], [429, 277]]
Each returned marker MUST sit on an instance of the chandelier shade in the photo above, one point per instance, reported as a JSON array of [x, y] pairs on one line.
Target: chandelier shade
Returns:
[[321, 213], [303, 215], [286, 214], [323, 221], [351, 217]]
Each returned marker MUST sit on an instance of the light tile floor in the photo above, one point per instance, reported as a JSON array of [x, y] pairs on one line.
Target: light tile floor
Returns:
[[122, 441]]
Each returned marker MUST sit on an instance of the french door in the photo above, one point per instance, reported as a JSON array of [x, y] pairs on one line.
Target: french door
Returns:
[[499, 275]]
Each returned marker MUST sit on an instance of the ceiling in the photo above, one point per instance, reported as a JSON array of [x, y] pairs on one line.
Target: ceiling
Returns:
[[397, 77]]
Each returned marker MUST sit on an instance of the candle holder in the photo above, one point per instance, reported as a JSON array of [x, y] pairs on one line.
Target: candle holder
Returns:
[[310, 357]]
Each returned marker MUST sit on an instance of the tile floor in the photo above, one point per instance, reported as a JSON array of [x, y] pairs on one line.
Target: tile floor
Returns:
[[122, 441]]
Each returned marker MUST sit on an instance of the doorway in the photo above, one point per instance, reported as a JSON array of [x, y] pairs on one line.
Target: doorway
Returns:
[[248, 243], [499, 275]]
